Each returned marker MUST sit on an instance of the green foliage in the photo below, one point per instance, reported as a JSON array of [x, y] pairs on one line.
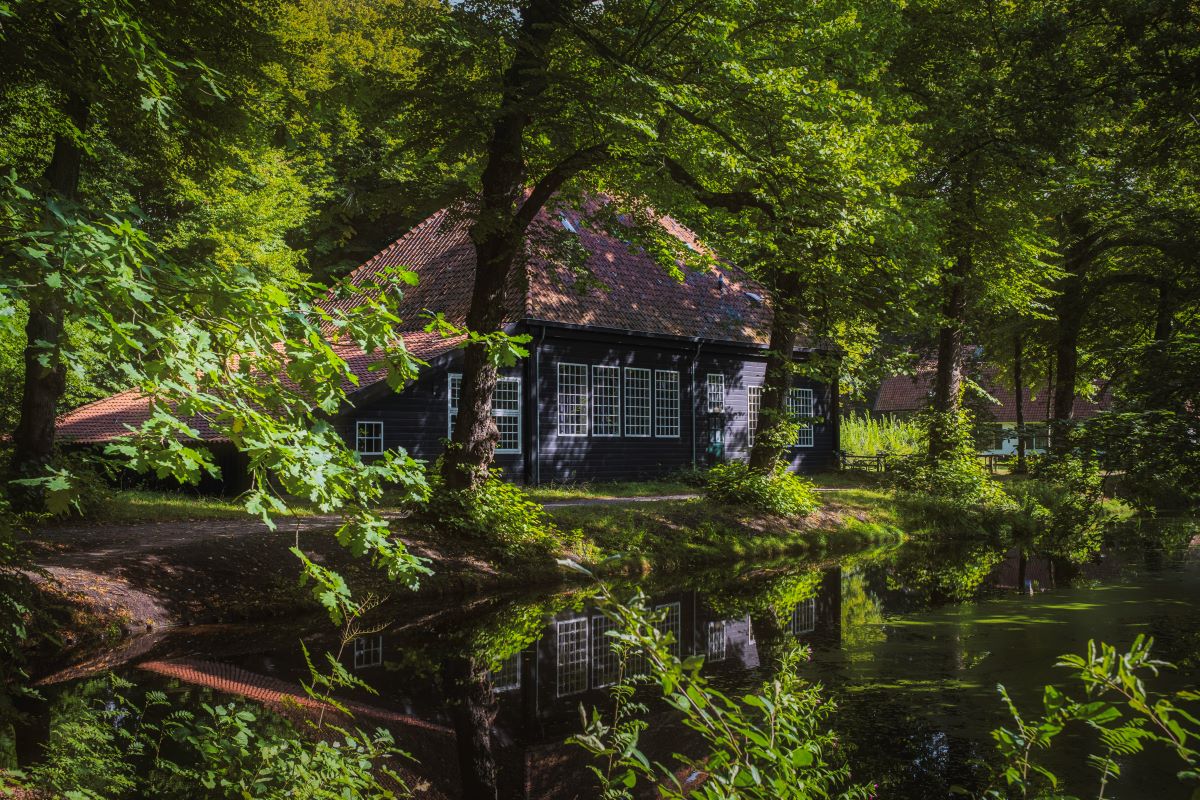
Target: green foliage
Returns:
[[498, 513], [1063, 505], [865, 435], [1125, 716], [772, 744], [779, 491], [952, 487], [106, 746]]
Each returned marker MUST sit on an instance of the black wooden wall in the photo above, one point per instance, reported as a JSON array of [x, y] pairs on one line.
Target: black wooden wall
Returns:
[[416, 418]]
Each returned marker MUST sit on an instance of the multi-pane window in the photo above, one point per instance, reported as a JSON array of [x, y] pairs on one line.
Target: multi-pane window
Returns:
[[506, 411], [800, 406], [804, 617], [368, 651], [572, 399], [572, 656], [605, 663], [715, 649], [672, 623], [368, 437], [507, 676], [753, 402], [666, 402], [637, 401], [716, 393], [606, 401]]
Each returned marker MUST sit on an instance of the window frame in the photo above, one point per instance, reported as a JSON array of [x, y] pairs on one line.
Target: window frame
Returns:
[[358, 437], [558, 401], [678, 416], [368, 651], [800, 391], [753, 393], [649, 407], [709, 386], [611, 370], [452, 406]]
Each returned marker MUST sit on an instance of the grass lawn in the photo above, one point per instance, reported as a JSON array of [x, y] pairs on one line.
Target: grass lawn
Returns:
[[608, 490], [142, 505]]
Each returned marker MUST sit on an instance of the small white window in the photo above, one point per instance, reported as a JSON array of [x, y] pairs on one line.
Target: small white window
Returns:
[[804, 617], [605, 663], [672, 623], [368, 651], [637, 402], [753, 402], [715, 651], [716, 393], [368, 437], [507, 676], [572, 400], [800, 407], [506, 410], [606, 401], [572, 656], [666, 403]]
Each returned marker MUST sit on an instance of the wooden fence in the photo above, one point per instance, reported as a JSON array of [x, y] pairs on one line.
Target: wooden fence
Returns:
[[884, 462]]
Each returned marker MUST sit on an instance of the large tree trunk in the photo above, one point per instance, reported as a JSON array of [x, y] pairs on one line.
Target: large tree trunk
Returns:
[[1070, 307], [947, 386], [1019, 401], [473, 711], [772, 411], [33, 438], [498, 238]]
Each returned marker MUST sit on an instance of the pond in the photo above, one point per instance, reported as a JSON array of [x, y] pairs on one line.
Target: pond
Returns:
[[911, 640]]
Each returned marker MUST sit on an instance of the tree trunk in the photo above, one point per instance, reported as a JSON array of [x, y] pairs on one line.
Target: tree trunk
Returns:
[[498, 240], [947, 390], [473, 711], [33, 438], [1070, 308], [772, 410], [1019, 401]]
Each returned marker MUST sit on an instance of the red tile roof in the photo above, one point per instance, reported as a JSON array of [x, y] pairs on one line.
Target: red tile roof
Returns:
[[110, 418], [904, 393], [622, 289]]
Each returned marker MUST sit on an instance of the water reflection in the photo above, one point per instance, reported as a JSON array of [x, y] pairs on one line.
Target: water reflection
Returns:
[[912, 641]]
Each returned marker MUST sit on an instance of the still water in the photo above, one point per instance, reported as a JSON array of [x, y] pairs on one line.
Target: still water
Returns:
[[911, 640]]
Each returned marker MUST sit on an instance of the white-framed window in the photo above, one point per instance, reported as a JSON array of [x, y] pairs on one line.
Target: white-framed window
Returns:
[[716, 392], [800, 405], [666, 403], [506, 410], [715, 648], [572, 400], [606, 401], [605, 663], [368, 651], [507, 676], [672, 623], [753, 403], [637, 402], [804, 617], [572, 656], [368, 437]]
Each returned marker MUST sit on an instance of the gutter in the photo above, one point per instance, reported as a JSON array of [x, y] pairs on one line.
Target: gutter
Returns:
[[695, 400]]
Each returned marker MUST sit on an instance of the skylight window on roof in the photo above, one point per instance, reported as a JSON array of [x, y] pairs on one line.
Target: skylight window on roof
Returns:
[[567, 224], [755, 296]]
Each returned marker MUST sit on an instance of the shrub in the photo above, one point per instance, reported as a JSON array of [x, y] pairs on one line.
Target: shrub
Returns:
[[1063, 505], [954, 487], [779, 491], [498, 513]]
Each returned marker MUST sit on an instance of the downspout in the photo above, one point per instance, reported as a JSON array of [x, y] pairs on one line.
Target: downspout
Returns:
[[537, 408], [695, 400]]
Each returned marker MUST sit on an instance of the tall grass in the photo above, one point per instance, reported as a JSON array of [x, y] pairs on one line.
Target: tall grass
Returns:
[[863, 435]]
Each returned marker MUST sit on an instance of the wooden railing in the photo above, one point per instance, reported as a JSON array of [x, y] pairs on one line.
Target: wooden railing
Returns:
[[883, 462]]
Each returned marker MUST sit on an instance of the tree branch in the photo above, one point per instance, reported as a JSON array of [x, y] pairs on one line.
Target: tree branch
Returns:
[[730, 201], [553, 180]]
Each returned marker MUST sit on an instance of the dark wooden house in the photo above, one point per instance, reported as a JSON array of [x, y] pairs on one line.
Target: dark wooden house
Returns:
[[631, 373]]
